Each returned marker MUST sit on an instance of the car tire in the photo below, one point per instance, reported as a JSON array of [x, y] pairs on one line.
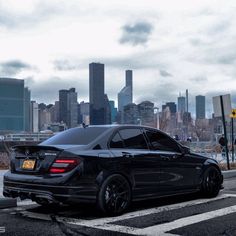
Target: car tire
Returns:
[[114, 196], [211, 182]]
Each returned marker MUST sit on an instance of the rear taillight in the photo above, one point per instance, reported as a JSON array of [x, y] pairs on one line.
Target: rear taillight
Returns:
[[63, 165]]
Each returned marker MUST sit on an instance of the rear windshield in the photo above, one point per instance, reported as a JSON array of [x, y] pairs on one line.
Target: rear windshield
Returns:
[[75, 136]]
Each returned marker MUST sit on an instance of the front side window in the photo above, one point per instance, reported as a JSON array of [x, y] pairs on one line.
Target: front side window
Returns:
[[133, 139], [162, 142]]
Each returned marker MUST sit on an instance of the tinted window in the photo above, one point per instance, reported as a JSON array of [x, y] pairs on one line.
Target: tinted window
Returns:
[[162, 142], [75, 136], [133, 138], [116, 142]]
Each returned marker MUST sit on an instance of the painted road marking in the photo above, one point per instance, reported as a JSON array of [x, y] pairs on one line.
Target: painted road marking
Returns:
[[108, 223], [144, 212], [161, 229]]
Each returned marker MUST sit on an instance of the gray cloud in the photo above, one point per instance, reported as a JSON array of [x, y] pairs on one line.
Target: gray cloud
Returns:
[[50, 88], [199, 79], [161, 93], [134, 61], [164, 73], [13, 67], [69, 65], [41, 12], [136, 34]]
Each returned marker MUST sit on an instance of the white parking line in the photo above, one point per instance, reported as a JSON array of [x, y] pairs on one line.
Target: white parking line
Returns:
[[134, 214], [161, 229], [105, 223]]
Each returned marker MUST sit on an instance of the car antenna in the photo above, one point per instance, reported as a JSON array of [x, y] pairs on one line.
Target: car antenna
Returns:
[[84, 125]]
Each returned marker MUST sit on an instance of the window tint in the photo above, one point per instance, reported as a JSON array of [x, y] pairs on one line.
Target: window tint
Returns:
[[162, 142], [75, 136], [133, 139], [116, 142]]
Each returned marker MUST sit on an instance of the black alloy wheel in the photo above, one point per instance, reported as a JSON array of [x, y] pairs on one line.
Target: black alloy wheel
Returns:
[[114, 196], [211, 183]]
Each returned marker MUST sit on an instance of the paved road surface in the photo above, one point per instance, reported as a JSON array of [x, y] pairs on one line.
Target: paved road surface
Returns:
[[183, 215]]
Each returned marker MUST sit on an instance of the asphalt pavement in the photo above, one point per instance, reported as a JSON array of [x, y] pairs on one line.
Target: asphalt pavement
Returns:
[[181, 215]]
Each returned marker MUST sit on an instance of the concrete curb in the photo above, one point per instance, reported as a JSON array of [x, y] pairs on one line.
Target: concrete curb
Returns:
[[229, 174], [7, 202]]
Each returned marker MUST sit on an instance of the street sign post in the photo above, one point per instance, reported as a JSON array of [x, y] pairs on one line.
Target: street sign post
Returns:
[[225, 132], [222, 108], [232, 116]]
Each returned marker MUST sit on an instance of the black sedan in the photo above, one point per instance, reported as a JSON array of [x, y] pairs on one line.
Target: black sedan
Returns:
[[110, 166]]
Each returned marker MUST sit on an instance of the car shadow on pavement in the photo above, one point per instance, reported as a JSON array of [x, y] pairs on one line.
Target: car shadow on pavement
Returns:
[[89, 211]]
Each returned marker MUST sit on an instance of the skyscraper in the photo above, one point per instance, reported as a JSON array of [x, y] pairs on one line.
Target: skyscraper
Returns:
[[113, 111], [68, 107], [146, 113], [96, 94], [34, 117], [171, 105], [181, 104], [125, 96], [14, 102], [129, 81], [131, 114], [200, 107], [27, 97]]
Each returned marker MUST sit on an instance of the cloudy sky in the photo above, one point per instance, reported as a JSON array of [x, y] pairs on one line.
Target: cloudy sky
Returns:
[[169, 45]]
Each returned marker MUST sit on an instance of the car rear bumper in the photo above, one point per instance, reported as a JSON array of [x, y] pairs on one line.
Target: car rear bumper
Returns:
[[55, 192]]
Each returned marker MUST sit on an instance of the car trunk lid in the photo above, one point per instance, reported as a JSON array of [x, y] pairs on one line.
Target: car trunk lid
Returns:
[[33, 159]]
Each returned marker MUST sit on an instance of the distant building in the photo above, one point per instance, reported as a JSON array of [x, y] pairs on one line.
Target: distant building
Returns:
[[96, 94], [44, 117], [68, 107], [14, 105], [187, 119], [107, 110], [54, 110], [129, 81], [34, 117], [113, 111], [55, 127], [27, 98], [171, 105], [83, 113], [200, 107], [125, 96], [131, 114], [146, 113], [181, 104]]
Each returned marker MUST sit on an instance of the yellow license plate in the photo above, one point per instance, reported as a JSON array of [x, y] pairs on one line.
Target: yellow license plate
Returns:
[[28, 164]]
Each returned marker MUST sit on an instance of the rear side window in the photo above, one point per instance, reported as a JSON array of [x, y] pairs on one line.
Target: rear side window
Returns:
[[75, 136], [162, 142], [133, 139]]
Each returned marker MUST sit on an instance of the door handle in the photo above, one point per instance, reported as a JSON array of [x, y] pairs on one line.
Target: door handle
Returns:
[[127, 154]]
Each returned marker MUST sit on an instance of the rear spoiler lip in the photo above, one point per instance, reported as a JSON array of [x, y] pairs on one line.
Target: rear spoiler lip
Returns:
[[36, 147]]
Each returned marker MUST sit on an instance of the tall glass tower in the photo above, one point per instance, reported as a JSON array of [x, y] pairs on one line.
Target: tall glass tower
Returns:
[[14, 105], [200, 107], [96, 94]]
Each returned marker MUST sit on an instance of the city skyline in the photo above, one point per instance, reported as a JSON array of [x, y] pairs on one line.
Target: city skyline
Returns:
[[167, 45]]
